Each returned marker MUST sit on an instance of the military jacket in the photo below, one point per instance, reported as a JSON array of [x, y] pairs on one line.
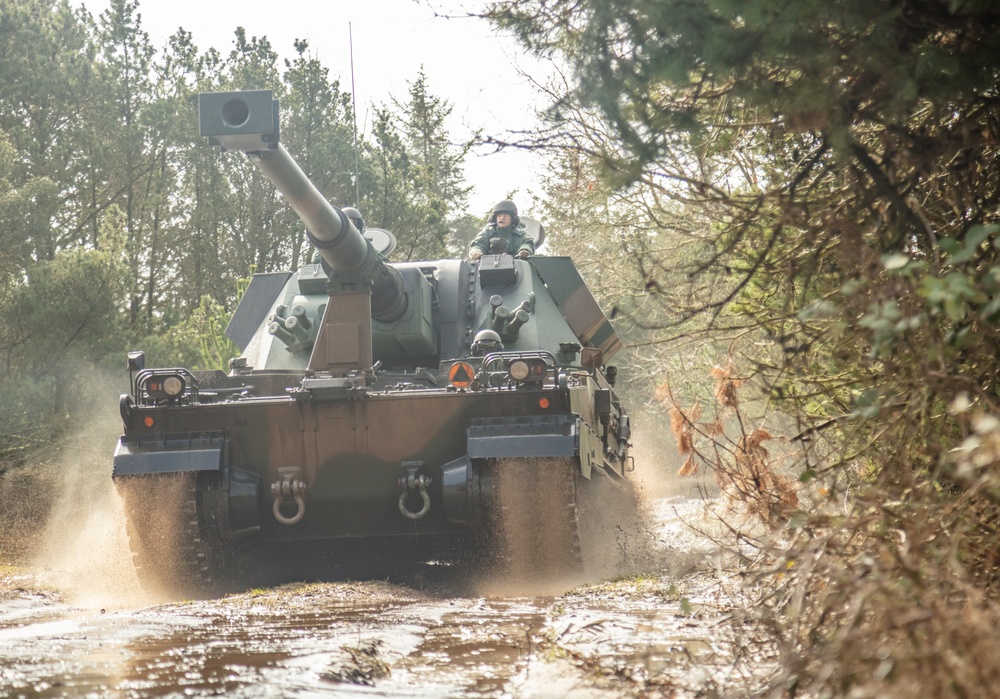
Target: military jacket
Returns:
[[514, 237]]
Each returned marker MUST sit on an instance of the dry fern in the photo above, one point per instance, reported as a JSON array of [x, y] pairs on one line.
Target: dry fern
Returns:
[[681, 428], [726, 386], [751, 480], [689, 467]]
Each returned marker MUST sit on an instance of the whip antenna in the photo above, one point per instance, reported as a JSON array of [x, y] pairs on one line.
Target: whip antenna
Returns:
[[354, 116]]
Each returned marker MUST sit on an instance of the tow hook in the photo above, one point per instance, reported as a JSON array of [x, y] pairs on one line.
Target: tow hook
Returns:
[[411, 483], [289, 488]]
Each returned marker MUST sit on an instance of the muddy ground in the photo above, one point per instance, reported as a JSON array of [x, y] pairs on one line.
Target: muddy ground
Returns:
[[75, 622]]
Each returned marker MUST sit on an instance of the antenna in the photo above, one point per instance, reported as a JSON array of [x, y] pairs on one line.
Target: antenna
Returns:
[[354, 116]]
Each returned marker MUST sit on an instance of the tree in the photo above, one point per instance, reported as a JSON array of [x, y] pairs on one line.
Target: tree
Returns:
[[393, 196], [15, 202], [420, 193], [44, 89], [201, 199], [825, 136], [128, 150], [54, 331], [253, 215], [845, 157]]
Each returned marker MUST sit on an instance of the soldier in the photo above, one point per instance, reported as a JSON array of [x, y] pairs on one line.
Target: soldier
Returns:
[[486, 341], [503, 234], [355, 217]]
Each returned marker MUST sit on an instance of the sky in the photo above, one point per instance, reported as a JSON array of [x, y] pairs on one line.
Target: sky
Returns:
[[465, 61]]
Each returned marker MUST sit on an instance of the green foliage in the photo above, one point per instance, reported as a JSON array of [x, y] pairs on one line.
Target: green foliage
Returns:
[[804, 144], [58, 329], [419, 182], [823, 178], [69, 303], [44, 87], [198, 342]]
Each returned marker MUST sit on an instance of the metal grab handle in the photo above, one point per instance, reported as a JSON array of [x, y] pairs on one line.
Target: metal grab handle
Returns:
[[300, 504], [420, 482]]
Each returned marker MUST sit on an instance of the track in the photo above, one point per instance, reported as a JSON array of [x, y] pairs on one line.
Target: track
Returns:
[[543, 527], [536, 519], [549, 524], [175, 548]]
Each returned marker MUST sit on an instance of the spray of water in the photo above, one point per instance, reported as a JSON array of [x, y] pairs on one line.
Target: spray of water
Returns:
[[657, 461], [82, 548]]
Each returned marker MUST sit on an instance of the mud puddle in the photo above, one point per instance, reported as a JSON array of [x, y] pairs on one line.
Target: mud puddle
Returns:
[[666, 632]]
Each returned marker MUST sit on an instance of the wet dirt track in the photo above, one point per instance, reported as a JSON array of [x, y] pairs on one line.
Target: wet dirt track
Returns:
[[666, 632]]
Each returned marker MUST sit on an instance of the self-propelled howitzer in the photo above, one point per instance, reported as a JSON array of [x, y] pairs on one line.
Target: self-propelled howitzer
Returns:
[[380, 413]]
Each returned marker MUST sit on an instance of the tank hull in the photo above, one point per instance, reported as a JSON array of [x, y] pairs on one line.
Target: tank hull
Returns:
[[388, 478], [351, 453]]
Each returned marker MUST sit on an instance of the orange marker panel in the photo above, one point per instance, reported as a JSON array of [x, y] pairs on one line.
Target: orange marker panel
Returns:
[[461, 374]]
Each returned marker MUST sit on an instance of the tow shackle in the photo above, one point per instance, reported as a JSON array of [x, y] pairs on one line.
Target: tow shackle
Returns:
[[288, 488], [412, 483]]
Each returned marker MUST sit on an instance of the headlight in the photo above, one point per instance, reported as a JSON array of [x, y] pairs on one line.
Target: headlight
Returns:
[[518, 370], [531, 370], [173, 386]]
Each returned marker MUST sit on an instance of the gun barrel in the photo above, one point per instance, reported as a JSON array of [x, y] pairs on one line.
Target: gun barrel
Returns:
[[248, 121], [343, 247]]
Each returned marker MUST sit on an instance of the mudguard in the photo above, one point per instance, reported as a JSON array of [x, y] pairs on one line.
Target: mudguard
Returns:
[[172, 453], [527, 436]]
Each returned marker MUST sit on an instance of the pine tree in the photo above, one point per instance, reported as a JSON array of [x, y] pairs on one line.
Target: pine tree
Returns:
[[44, 98], [424, 205]]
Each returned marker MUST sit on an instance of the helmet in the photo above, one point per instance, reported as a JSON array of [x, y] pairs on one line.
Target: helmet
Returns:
[[486, 341], [355, 217], [505, 207]]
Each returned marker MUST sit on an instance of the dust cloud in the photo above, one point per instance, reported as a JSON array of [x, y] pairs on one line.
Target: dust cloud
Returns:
[[657, 461], [82, 548]]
